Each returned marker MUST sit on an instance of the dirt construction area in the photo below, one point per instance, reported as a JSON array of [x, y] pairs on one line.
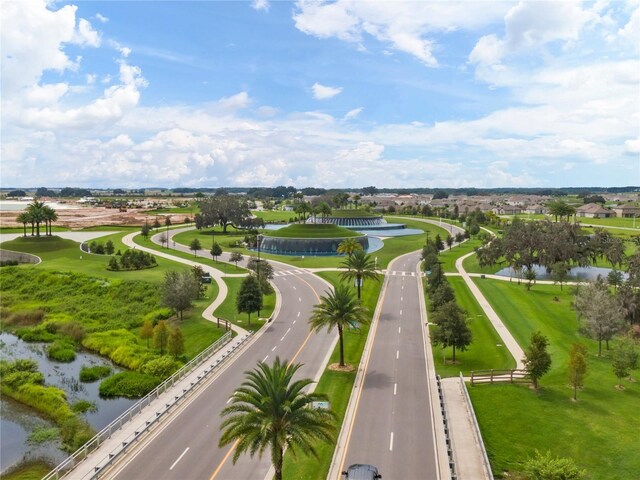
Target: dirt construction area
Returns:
[[76, 216]]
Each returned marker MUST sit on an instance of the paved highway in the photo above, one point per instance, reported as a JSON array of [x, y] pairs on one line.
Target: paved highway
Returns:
[[392, 427], [187, 447]]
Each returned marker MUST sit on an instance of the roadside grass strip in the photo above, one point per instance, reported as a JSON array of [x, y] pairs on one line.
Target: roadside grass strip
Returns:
[[337, 386], [227, 310], [599, 431]]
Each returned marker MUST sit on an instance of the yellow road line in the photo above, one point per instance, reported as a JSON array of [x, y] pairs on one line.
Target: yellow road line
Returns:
[[233, 447]]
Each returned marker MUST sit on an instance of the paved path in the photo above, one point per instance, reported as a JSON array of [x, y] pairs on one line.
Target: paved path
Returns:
[[70, 235]]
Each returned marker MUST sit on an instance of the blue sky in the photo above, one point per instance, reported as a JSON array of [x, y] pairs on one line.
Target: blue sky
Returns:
[[314, 93]]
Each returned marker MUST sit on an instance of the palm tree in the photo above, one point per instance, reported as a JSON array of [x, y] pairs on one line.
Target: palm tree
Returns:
[[338, 309], [360, 266], [270, 410], [24, 218], [50, 216], [36, 210], [348, 246]]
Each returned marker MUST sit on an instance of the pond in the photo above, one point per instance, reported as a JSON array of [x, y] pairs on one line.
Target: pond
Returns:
[[17, 421], [575, 273]]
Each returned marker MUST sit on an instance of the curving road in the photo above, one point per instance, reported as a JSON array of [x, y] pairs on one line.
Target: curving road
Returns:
[[187, 446]]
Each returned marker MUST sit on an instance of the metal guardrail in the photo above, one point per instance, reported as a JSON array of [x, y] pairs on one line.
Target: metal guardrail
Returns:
[[447, 431], [476, 427], [83, 452]]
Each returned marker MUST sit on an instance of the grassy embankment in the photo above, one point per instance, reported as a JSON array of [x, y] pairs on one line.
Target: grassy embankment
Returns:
[[485, 352], [337, 386], [600, 431]]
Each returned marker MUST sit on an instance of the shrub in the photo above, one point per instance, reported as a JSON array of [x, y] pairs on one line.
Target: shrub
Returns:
[[8, 263], [160, 367], [61, 351], [546, 467], [83, 406], [35, 335], [43, 435], [91, 374], [24, 319], [73, 330], [128, 384], [75, 433]]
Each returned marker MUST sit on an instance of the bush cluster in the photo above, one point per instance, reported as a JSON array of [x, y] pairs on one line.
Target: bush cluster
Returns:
[[91, 374], [128, 384], [100, 248], [132, 260], [62, 351]]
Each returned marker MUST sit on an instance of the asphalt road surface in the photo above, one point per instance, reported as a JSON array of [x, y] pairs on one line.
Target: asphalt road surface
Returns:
[[187, 447], [392, 428]]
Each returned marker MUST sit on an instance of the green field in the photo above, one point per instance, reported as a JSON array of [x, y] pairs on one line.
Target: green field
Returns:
[[337, 386], [600, 431], [486, 350], [274, 216], [310, 230], [448, 257]]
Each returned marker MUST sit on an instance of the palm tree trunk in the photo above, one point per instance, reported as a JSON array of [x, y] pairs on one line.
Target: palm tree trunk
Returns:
[[358, 280], [341, 345], [24, 228], [276, 458]]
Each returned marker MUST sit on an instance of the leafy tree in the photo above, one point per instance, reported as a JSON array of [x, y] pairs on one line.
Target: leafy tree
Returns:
[[249, 297], [577, 366], [360, 267], [146, 331], [435, 278], [195, 245], [271, 410], [561, 209], [160, 336], [441, 295], [223, 210], [625, 358], [164, 239], [546, 467], [449, 241], [109, 248], [198, 274], [530, 275], [145, 230], [179, 290], [156, 223], [216, 251], [167, 221], [264, 272], [559, 273], [537, 360], [339, 309], [175, 342], [600, 313], [439, 243], [615, 279], [17, 193], [452, 329], [348, 246], [440, 195], [236, 257], [113, 264]]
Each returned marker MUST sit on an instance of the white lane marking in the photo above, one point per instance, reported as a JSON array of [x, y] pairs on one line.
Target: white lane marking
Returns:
[[395, 388], [294, 288], [397, 354], [399, 329], [294, 322], [265, 359], [179, 458], [273, 348], [298, 314], [300, 299], [285, 334], [391, 442], [400, 312]]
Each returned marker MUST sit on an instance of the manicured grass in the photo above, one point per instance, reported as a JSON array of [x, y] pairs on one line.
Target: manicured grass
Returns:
[[448, 257], [337, 386], [471, 265], [600, 431], [276, 216], [484, 352], [65, 255], [312, 231], [203, 256], [228, 310]]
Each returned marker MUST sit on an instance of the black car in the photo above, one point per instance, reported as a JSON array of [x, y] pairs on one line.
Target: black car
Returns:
[[359, 471]]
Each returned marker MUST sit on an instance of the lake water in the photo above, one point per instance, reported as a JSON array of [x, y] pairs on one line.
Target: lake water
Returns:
[[575, 273], [17, 206], [17, 421]]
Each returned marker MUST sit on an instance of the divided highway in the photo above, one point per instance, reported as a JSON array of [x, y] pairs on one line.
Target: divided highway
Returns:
[[187, 446], [393, 424]]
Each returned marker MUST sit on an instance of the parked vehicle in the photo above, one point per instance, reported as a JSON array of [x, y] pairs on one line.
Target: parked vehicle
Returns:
[[359, 471]]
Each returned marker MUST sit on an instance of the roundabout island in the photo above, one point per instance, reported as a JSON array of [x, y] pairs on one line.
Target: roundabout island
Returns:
[[309, 239]]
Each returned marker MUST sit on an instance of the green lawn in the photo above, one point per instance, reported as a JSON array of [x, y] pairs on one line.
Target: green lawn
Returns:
[[600, 431], [471, 265], [228, 308], [337, 386], [312, 231], [65, 255], [484, 352], [274, 216], [448, 257]]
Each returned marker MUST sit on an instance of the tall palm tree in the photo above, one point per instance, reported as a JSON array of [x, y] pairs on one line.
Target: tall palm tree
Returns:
[[348, 246], [24, 218], [360, 266], [270, 410], [338, 309], [36, 210], [50, 216]]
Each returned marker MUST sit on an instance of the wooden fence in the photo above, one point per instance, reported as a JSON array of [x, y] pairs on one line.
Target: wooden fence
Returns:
[[491, 376]]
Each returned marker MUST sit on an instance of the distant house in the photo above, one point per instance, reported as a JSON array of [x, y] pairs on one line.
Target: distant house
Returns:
[[289, 208], [626, 211], [593, 210], [507, 210], [535, 209]]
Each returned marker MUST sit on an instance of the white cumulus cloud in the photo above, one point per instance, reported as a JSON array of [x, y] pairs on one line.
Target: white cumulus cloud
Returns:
[[323, 92]]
